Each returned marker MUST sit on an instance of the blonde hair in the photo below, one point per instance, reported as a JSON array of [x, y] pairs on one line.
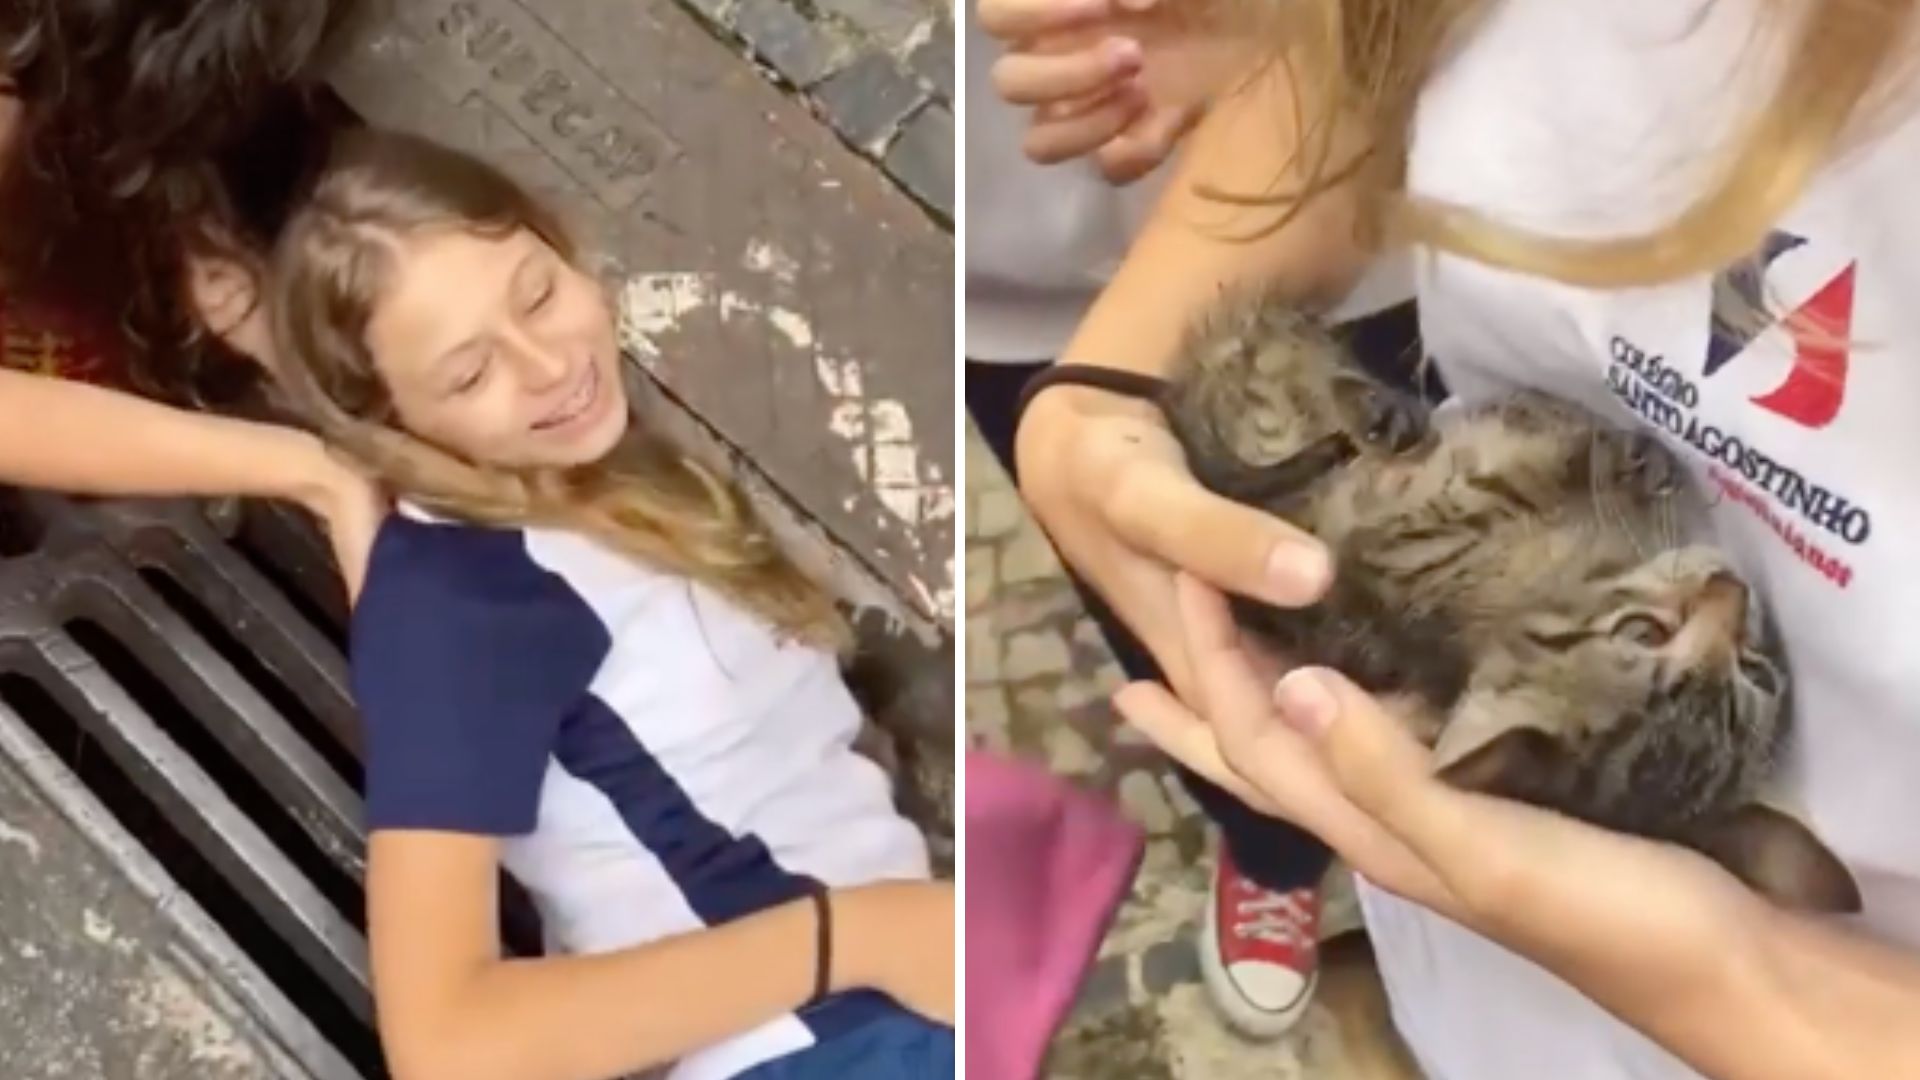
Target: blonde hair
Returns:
[[645, 499], [1362, 63]]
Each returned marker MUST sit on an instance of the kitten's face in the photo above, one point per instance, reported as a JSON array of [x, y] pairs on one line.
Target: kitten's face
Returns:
[[1651, 688], [1679, 623]]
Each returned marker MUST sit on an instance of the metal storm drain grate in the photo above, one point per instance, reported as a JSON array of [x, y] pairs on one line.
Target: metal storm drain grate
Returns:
[[184, 675]]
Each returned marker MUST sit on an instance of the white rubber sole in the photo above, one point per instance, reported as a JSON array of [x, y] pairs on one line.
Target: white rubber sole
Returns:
[[1247, 1019]]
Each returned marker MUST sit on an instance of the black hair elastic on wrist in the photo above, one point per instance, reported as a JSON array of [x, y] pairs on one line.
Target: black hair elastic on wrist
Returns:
[[1113, 380], [823, 943]]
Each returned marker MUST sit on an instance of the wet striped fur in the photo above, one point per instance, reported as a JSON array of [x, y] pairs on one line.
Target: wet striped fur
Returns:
[[1508, 575]]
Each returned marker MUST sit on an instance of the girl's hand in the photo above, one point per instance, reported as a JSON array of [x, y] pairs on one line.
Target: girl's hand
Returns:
[[1106, 480], [351, 507], [897, 937], [1122, 80]]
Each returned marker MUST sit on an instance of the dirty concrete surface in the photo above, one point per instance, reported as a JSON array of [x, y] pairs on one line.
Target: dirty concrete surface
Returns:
[[106, 971], [1037, 680]]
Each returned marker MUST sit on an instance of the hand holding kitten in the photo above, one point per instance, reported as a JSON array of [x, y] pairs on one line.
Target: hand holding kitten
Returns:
[[1323, 754]]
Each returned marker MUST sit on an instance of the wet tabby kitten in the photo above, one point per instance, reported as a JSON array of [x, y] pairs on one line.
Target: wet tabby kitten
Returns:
[[1508, 582]]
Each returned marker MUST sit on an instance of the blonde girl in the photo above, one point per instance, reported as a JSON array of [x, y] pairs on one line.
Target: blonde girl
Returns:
[[580, 657]]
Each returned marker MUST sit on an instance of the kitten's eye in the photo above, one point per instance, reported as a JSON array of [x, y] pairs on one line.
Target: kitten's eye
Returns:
[[1761, 674], [1642, 630]]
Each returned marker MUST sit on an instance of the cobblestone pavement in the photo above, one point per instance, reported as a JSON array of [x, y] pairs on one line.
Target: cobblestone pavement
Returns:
[[1037, 681], [879, 72]]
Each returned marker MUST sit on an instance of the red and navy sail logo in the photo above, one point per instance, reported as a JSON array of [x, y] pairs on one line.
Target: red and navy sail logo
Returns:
[[1818, 517], [1816, 385]]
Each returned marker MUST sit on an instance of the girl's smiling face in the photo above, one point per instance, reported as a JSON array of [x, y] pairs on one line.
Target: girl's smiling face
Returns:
[[498, 349]]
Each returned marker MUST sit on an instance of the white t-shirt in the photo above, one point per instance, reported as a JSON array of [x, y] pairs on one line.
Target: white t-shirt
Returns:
[[1041, 241], [655, 760], [1593, 117]]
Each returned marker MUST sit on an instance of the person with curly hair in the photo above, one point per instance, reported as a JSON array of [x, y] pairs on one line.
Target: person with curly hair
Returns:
[[147, 150]]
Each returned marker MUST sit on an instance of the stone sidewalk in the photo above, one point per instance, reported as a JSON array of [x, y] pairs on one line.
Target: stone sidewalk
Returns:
[[1037, 681]]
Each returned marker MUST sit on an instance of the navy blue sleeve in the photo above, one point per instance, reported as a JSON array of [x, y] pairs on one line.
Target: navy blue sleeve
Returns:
[[467, 655]]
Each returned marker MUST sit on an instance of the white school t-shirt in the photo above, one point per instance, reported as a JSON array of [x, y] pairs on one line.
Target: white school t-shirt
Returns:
[[654, 758], [1596, 117]]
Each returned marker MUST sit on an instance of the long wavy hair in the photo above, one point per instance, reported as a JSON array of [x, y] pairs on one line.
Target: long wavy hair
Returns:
[[330, 267], [1361, 65], [151, 129]]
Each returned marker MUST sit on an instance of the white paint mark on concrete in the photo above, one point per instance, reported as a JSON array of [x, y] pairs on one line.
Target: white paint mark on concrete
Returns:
[[879, 433], [792, 325], [842, 378], [652, 305], [165, 1000], [29, 951], [96, 927], [937, 504], [849, 421], [764, 258], [939, 601], [918, 36], [890, 422], [22, 839]]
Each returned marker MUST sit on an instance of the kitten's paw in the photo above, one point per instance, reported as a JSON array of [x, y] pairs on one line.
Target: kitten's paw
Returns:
[[1382, 420], [1636, 463], [1398, 424], [1650, 469]]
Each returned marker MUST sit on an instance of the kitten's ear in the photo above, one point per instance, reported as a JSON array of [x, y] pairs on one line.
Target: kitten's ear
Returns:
[[1780, 859], [1507, 763]]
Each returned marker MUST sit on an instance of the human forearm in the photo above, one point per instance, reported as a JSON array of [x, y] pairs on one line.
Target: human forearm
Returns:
[[590, 1017], [1752, 993], [1782, 997], [1851, 1000], [69, 436]]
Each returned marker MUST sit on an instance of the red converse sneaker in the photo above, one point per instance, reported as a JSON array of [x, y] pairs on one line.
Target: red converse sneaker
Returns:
[[1259, 952]]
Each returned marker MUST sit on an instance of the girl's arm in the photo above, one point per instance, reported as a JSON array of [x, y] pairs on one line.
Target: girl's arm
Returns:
[[450, 1008], [1101, 473], [69, 436]]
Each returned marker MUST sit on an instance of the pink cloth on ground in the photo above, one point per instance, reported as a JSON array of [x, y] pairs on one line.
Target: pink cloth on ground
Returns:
[[1047, 867]]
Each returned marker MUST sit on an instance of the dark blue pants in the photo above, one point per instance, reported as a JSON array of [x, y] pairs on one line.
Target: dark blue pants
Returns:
[[898, 1046]]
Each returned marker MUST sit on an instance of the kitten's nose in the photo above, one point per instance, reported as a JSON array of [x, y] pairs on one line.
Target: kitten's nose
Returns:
[[1722, 605]]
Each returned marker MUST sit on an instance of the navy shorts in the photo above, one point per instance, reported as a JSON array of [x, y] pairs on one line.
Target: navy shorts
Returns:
[[897, 1046]]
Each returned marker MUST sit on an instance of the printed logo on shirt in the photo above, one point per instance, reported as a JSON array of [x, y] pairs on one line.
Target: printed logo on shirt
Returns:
[[1814, 517], [40, 343], [1816, 384]]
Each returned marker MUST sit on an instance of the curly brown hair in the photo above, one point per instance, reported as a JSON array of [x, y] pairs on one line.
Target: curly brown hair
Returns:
[[151, 130]]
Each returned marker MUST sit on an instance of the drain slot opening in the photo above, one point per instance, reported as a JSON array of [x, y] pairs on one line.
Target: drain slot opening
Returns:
[[258, 542], [69, 740], [257, 674], [248, 794]]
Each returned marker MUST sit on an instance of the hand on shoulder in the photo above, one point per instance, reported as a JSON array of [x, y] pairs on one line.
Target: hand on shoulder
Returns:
[[350, 506]]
